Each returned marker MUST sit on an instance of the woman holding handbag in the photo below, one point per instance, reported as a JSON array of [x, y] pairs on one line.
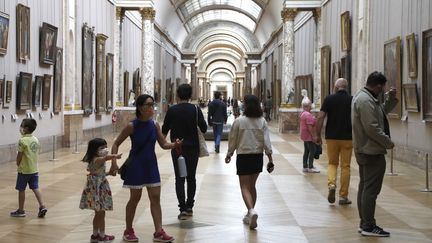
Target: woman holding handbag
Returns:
[[142, 169], [182, 121]]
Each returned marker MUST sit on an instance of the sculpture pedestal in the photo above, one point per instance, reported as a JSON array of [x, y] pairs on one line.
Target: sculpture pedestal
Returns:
[[73, 128], [288, 121]]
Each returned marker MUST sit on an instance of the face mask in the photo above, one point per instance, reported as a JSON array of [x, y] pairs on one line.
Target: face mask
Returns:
[[103, 152], [21, 130]]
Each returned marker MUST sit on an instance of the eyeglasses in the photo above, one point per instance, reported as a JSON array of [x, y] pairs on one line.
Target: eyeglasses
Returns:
[[149, 105]]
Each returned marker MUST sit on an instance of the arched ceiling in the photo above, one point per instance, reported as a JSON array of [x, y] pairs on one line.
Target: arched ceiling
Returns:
[[222, 32]]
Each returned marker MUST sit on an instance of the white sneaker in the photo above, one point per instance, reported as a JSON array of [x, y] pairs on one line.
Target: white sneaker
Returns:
[[305, 170], [314, 170], [246, 219], [253, 216]]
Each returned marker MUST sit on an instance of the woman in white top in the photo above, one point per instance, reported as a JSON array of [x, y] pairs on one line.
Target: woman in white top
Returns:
[[249, 136]]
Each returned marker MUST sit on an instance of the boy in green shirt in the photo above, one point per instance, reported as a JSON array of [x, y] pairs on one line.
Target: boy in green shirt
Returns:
[[27, 162]]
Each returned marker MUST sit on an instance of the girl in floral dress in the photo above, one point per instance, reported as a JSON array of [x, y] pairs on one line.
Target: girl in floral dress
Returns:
[[97, 193]]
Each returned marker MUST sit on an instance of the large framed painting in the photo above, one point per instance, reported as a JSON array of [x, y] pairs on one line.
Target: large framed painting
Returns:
[[37, 91], [125, 88], [8, 94], [24, 91], [427, 75], [58, 81], [303, 85], [2, 90], [392, 71], [87, 68], [23, 32], [47, 44], [136, 82], [157, 90], [346, 70], [411, 97], [100, 73], [335, 74], [345, 31], [46, 92], [4, 32], [412, 55], [109, 81], [325, 71]]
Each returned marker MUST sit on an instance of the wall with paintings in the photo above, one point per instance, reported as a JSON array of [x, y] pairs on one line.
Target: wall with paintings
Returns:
[[397, 18], [103, 23], [50, 12]]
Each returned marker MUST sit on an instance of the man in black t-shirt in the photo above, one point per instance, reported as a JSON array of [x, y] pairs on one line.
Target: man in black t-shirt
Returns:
[[338, 134]]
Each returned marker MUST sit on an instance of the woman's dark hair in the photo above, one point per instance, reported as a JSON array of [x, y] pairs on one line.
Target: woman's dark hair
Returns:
[[184, 91], [92, 149], [252, 106], [140, 102], [376, 78]]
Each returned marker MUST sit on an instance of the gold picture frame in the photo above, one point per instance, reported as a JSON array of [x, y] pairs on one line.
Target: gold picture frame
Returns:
[[24, 91], [4, 32], [411, 55], [46, 92], [37, 91], [427, 75], [47, 44], [393, 72], [345, 31], [100, 73], [87, 69], [411, 99], [2, 90], [58, 81], [8, 94], [109, 81], [325, 71], [23, 32]]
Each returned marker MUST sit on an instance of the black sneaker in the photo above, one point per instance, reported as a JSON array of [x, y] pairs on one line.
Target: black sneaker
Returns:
[[189, 211], [331, 196], [42, 212], [344, 201], [375, 231], [182, 216]]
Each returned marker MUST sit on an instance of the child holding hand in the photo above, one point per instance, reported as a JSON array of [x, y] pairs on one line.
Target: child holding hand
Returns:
[[97, 193]]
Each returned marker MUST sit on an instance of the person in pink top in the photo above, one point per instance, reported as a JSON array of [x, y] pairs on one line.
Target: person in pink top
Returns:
[[308, 136]]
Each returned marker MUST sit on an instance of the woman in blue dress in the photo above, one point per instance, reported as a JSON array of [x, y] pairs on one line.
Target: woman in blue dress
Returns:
[[143, 169]]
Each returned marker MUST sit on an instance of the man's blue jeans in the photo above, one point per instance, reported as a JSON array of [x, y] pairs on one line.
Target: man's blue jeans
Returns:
[[217, 132]]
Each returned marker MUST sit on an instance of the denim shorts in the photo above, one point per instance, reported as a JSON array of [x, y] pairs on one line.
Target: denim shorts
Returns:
[[23, 179]]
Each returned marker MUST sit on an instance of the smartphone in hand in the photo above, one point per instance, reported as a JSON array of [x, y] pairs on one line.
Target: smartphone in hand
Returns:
[[270, 167]]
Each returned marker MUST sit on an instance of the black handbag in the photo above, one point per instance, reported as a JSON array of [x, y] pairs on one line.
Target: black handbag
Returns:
[[123, 168]]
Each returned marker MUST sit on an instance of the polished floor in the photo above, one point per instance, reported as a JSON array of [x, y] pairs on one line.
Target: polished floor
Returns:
[[292, 205]]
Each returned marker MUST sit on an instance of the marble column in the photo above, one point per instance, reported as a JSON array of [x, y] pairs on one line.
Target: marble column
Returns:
[[147, 51], [248, 83], [194, 81], [118, 58], [361, 40], [71, 86], [317, 57], [288, 15]]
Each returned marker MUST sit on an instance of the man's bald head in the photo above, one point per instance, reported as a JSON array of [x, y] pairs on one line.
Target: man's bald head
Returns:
[[341, 84]]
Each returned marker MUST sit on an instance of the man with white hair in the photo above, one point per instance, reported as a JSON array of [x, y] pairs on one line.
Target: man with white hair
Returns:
[[338, 134]]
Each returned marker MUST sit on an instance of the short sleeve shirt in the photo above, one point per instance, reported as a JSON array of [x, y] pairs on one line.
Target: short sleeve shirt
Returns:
[[338, 109], [29, 146], [306, 118]]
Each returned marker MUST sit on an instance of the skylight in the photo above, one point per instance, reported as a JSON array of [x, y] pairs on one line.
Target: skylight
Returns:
[[248, 6], [228, 15]]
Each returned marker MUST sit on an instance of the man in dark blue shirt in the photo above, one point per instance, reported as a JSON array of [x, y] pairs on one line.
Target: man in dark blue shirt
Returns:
[[338, 134], [217, 117]]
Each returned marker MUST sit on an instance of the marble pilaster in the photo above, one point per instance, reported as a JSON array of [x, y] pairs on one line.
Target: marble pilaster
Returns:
[[118, 61], [317, 57], [288, 16], [72, 88], [147, 50], [194, 81]]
